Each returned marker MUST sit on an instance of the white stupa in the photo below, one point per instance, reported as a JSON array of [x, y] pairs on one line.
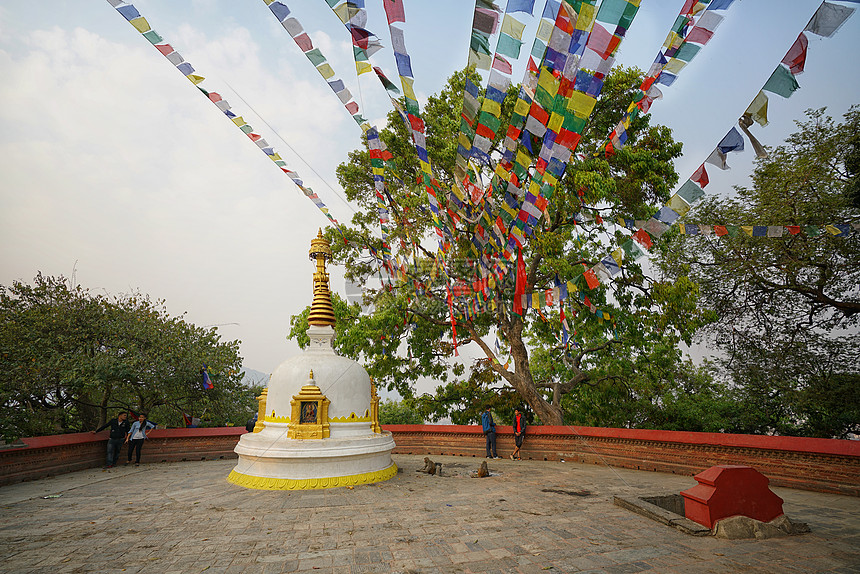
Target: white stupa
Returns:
[[318, 425]]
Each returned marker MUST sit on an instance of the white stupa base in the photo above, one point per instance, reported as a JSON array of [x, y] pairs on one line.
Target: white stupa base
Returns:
[[268, 460]]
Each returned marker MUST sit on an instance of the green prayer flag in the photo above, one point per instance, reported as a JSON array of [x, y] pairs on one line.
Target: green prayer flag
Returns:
[[480, 43], [687, 51], [732, 230], [611, 11], [508, 46], [812, 230], [781, 82], [153, 37], [690, 192], [315, 56]]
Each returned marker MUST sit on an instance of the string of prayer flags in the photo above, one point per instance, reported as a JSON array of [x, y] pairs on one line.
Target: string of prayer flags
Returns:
[[485, 23], [689, 33], [773, 231], [295, 29], [364, 42], [132, 15]]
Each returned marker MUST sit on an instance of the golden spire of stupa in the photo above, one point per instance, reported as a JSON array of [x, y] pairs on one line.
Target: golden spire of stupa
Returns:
[[322, 312]]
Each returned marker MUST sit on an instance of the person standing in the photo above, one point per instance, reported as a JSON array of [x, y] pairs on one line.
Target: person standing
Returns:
[[519, 433], [118, 430], [136, 435], [489, 432]]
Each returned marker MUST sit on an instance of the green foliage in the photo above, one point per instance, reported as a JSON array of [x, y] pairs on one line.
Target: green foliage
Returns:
[[70, 359], [398, 413], [407, 332], [788, 307]]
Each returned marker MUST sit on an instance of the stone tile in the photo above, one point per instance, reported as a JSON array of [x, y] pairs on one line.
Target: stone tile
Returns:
[[185, 517]]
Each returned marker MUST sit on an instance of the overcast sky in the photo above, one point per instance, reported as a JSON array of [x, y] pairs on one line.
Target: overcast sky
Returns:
[[115, 166]]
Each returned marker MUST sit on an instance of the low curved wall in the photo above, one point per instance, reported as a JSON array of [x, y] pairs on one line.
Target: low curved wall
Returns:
[[823, 465]]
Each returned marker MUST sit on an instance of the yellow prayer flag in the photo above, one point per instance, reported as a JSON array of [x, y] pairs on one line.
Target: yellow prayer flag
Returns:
[[832, 230], [363, 67], [268, 2], [523, 158], [571, 286], [585, 19], [672, 39], [342, 12], [463, 140], [325, 71], [548, 82], [195, 79], [674, 65], [140, 24], [544, 31], [425, 167], [503, 173], [581, 104], [480, 60], [491, 107], [239, 121], [555, 122], [748, 229], [275, 157], [512, 27], [455, 188], [408, 91], [522, 107], [550, 178], [618, 256], [677, 203], [758, 109]]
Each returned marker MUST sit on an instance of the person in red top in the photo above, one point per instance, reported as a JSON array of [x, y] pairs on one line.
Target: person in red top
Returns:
[[519, 433]]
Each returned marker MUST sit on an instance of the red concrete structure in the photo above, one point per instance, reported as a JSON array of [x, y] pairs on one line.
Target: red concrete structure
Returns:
[[823, 465], [730, 490]]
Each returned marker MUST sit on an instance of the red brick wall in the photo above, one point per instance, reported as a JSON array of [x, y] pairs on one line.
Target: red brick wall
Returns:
[[811, 464], [823, 465], [58, 454]]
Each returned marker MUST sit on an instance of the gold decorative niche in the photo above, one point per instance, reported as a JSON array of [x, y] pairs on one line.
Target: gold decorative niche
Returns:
[[309, 413]]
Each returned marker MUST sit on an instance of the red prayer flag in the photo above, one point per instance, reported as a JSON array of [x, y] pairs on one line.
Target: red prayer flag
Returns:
[[303, 41], [643, 238], [520, 286], [164, 48], [502, 65], [795, 58], [591, 279], [700, 176], [793, 229], [394, 10], [720, 230]]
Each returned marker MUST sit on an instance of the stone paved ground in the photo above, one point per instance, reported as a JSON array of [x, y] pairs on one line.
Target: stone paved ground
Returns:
[[185, 517]]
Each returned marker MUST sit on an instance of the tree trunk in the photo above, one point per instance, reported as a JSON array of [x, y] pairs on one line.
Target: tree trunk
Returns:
[[103, 414], [549, 414]]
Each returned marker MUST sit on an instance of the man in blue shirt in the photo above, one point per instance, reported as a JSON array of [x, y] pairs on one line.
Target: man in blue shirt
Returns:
[[490, 433]]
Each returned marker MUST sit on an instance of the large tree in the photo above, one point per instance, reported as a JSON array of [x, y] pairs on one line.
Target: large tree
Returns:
[[789, 306], [407, 333], [69, 359]]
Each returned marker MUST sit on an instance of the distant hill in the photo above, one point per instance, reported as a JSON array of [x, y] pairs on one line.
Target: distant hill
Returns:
[[251, 377]]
